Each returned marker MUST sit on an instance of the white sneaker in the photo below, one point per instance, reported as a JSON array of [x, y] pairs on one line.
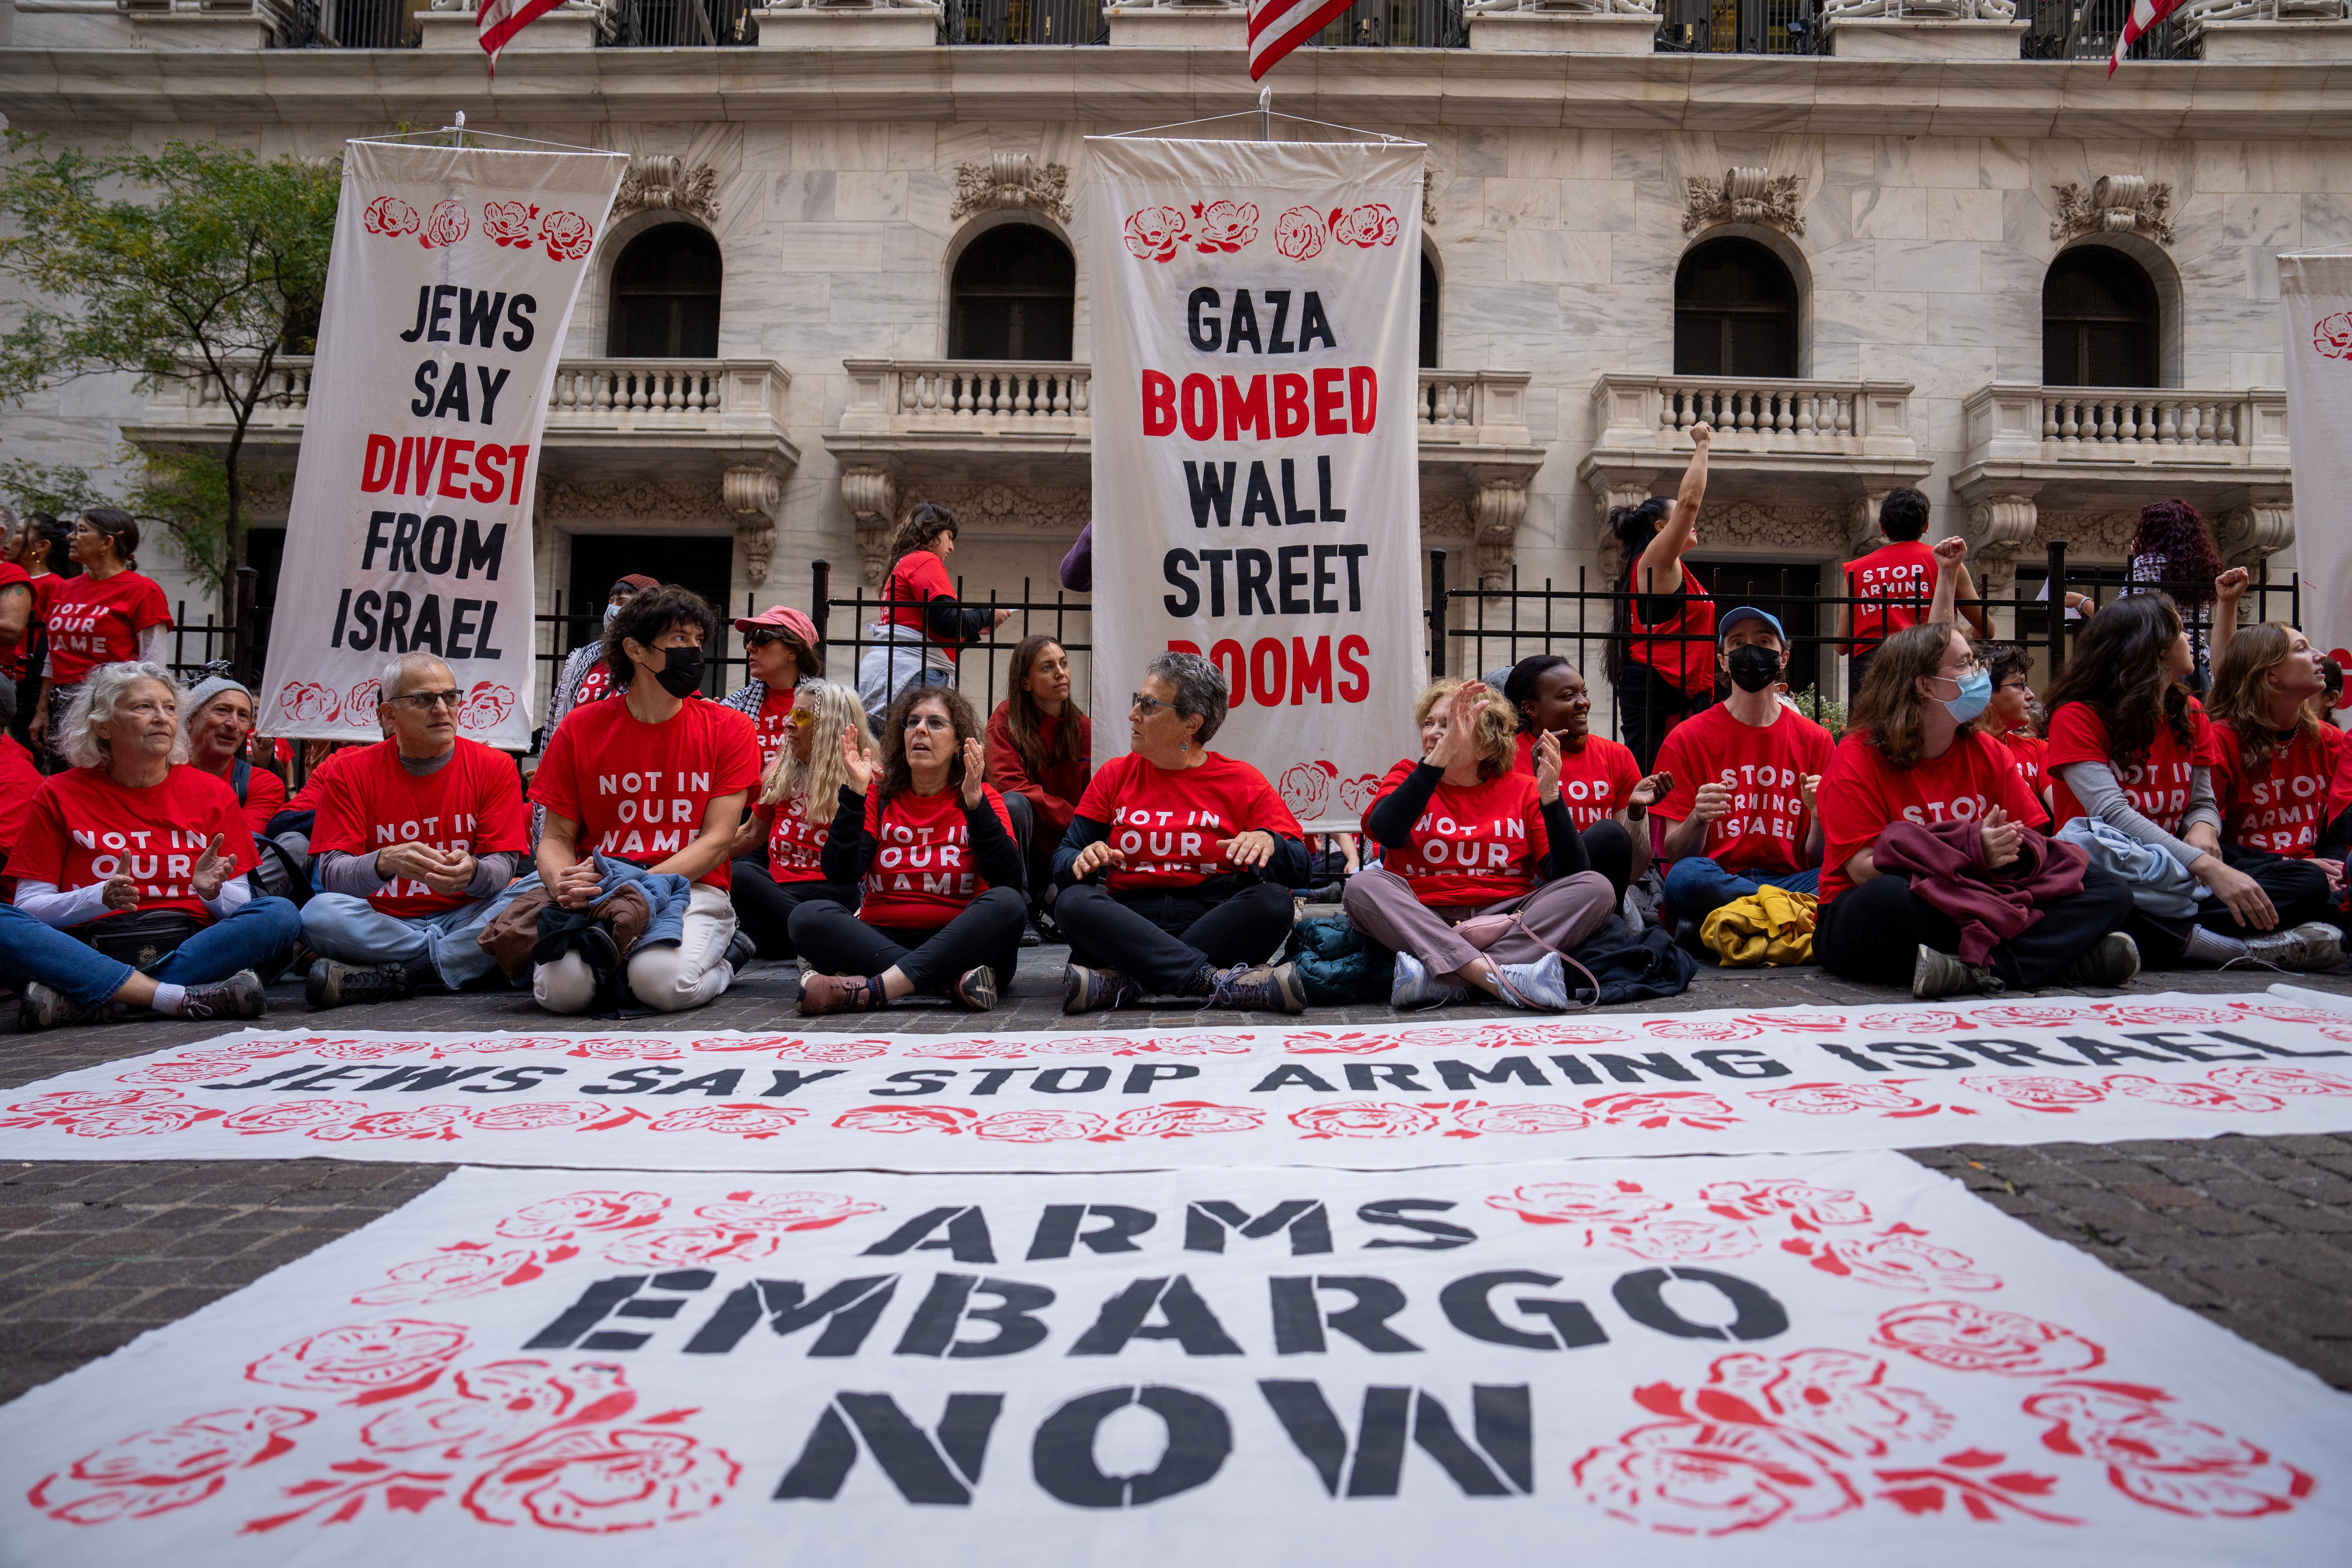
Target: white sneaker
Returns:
[[1414, 988], [1542, 986]]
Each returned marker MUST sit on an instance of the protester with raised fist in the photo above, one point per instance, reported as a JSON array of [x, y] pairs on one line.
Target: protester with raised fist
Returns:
[[1608, 799], [110, 615], [1661, 659], [799, 792], [1895, 583]]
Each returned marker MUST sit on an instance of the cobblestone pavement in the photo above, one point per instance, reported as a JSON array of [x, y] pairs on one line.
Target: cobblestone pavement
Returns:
[[2253, 1233]]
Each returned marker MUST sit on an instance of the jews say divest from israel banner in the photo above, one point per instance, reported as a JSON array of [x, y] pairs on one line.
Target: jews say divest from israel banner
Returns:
[[2316, 294], [1633, 1363], [1256, 474], [451, 279]]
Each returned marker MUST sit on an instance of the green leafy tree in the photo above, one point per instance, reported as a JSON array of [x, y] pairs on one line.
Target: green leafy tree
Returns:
[[218, 272]]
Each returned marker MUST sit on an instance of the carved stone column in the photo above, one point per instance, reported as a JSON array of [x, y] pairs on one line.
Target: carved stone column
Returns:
[[1612, 555], [753, 495], [872, 497], [2252, 533], [1502, 507], [2001, 525], [1861, 522]]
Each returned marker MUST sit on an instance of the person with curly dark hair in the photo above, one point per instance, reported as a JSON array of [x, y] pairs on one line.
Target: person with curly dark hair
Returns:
[[913, 641], [2130, 749], [2172, 546], [1661, 656]]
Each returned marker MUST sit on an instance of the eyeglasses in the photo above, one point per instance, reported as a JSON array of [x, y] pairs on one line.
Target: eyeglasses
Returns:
[[426, 701], [929, 721], [761, 639], [1147, 705], [801, 718]]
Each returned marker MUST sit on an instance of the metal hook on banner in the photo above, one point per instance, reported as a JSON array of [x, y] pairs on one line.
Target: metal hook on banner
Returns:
[[1266, 113]]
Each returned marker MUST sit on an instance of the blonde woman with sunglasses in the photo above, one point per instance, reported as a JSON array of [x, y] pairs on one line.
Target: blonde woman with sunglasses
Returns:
[[780, 847]]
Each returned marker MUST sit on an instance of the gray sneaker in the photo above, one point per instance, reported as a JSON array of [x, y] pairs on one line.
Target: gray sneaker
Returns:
[[45, 1007], [2113, 959], [1415, 987], [238, 996], [1259, 988], [1542, 986], [2309, 946], [1086, 989], [1935, 974]]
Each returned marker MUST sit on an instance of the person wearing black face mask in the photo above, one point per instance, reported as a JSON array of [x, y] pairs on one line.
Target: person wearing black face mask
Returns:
[[1740, 814]]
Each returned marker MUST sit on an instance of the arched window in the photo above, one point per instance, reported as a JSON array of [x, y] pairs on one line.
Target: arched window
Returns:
[[1015, 291], [2099, 320], [1735, 311], [666, 295], [1428, 312]]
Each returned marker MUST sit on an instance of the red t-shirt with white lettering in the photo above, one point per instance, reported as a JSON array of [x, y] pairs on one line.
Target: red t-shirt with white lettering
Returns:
[[1898, 580], [1169, 823], [265, 793], [1476, 846], [638, 790], [796, 844], [20, 781], [1594, 780], [2158, 787], [1763, 766], [773, 724], [2030, 752], [84, 828], [94, 622], [471, 804], [922, 873], [594, 686], [1863, 793], [2282, 809]]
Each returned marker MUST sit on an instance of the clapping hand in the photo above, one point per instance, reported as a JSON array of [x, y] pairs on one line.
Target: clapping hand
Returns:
[[1547, 767], [857, 762], [211, 870], [2001, 837], [1808, 787], [1713, 799], [121, 892], [1652, 790], [975, 770]]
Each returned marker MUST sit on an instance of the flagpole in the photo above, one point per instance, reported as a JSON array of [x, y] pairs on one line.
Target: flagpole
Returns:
[[1265, 114]]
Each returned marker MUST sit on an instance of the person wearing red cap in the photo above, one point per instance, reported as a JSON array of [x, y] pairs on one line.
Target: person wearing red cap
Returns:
[[781, 649], [585, 677]]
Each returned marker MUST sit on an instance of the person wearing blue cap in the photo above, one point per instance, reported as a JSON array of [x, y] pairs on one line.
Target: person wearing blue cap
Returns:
[[1741, 810]]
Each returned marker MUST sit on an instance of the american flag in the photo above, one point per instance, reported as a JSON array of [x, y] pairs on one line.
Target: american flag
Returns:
[[1278, 26], [2145, 15], [500, 20]]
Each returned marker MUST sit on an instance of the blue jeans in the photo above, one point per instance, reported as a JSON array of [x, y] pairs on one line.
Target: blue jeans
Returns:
[[247, 939], [353, 931], [1697, 887]]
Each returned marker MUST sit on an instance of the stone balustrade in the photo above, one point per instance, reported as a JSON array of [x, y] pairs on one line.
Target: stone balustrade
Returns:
[[1774, 438], [2127, 426]]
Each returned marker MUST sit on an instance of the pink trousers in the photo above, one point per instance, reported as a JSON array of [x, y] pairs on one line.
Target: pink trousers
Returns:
[[1382, 905]]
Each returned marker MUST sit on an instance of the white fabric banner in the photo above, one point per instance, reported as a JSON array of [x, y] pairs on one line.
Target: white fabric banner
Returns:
[[1257, 458], [1284, 1094], [1723, 1361], [2315, 291], [451, 283]]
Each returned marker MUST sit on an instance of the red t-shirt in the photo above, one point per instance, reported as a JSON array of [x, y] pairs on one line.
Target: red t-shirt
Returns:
[[265, 793], [1899, 579], [1763, 767], [796, 844], [2282, 809], [12, 657], [471, 804], [314, 788], [1169, 823], [2158, 787], [94, 622], [37, 629], [19, 782], [1594, 780], [84, 828], [638, 790], [2030, 752], [920, 577], [1688, 666], [1862, 792], [1476, 846], [594, 686], [2339, 792], [922, 873], [773, 725]]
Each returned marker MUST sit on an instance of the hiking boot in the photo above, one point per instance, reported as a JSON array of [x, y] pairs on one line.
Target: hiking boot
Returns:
[[1935, 974], [1259, 988], [333, 985], [47, 1007], [2309, 946], [1086, 989], [740, 951], [2113, 959], [1542, 986], [975, 989], [1415, 987], [839, 994], [238, 996], [1030, 938], [1686, 938]]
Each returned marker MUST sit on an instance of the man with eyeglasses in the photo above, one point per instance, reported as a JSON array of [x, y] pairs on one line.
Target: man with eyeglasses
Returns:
[[414, 836]]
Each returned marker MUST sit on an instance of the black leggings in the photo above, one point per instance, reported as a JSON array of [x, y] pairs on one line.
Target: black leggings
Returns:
[[2297, 890], [1608, 849], [764, 907], [987, 931], [1167, 941], [1871, 933], [1646, 704]]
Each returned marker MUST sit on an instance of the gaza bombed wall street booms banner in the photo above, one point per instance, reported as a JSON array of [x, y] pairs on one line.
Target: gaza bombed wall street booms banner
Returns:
[[452, 281], [1615, 1363], [1256, 474]]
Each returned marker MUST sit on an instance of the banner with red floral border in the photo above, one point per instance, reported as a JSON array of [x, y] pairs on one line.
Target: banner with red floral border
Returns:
[[1757, 1361], [1294, 1092]]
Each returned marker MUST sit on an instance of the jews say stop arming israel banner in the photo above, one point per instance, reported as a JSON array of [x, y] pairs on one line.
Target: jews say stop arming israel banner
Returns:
[[2316, 294], [1255, 470], [452, 278]]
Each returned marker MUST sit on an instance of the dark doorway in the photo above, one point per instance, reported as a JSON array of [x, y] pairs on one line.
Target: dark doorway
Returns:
[[1014, 293], [1735, 311], [666, 295], [265, 551], [703, 563], [1428, 313], [2099, 318], [1787, 589]]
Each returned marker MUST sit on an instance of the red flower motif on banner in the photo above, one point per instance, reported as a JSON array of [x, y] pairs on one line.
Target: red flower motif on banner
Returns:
[[1190, 1046], [568, 236], [2058, 1096], [599, 1483], [1837, 1099], [1363, 1119], [971, 1050], [827, 1052], [737, 1121], [1347, 1043], [1702, 1029], [1579, 1202], [2158, 1014], [501, 1405], [308, 703], [376, 1360], [2162, 1460], [447, 225], [1691, 1479], [2332, 335], [1225, 227], [1186, 1118], [1573, 1035], [2191, 1096], [1900, 1259], [1961, 1336], [691, 1247], [203, 1066], [532, 1116], [2030, 1016], [1155, 234], [562, 1218], [1926, 1023], [1663, 1109], [510, 223], [1357, 795], [2288, 1013], [111, 1113], [899, 1119], [156, 1471], [786, 1211], [1807, 1206], [1467, 1037], [1306, 786], [1039, 1126], [1088, 1046], [364, 1050], [389, 215], [1520, 1119], [487, 706], [1796, 1022], [430, 1123], [1364, 226], [451, 1275], [2280, 1080], [67, 1101], [1298, 234], [617, 1049], [1678, 1240], [1840, 1399], [291, 1116], [362, 700]]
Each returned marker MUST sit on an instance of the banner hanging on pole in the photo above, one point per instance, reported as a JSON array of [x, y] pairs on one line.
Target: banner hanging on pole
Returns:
[[452, 281], [2316, 294], [1256, 459]]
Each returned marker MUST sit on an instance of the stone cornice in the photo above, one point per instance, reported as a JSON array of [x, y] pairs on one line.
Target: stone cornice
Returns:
[[350, 91]]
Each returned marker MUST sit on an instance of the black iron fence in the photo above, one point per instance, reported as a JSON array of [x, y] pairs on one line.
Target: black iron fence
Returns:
[[678, 23], [1023, 22], [984, 672], [1740, 27], [1395, 24], [344, 24], [723, 664], [2051, 32]]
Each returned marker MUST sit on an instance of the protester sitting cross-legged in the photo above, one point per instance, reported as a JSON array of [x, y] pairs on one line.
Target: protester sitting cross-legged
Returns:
[[2273, 768], [219, 722], [1484, 884], [2130, 751], [1040, 754], [142, 858], [780, 649], [1935, 872], [648, 779], [1176, 873], [943, 899], [1739, 813], [1608, 799], [799, 791], [416, 837]]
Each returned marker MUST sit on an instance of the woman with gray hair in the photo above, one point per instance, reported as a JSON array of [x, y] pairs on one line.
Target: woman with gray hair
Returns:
[[1176, 873], [129, 871]]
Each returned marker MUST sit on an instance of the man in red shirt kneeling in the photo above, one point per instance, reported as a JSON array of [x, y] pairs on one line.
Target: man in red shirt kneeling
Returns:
[[416, 837]]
